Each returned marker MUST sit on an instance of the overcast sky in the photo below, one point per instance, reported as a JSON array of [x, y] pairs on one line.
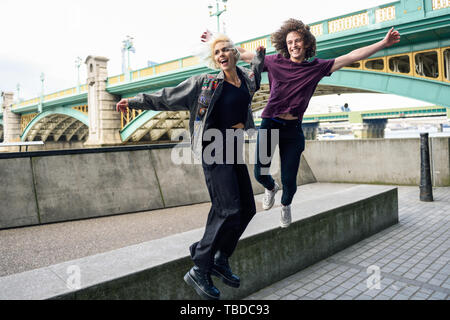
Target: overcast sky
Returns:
[[47, 35]]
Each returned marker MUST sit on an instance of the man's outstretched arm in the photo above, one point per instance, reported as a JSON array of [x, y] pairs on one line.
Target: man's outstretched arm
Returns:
[[392, 37]]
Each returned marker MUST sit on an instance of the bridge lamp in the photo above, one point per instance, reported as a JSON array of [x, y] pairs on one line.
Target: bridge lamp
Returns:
[[42, 93], [77, 65], [18, 92], [128, 46]]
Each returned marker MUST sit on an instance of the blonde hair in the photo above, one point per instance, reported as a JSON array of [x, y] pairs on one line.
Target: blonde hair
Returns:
[[211, 62]]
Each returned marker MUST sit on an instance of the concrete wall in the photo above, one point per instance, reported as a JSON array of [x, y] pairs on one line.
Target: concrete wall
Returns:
[[92, 185], [57, 186], [47, 146], [46, 187], [17, 193], [440, 161], [379, 161]]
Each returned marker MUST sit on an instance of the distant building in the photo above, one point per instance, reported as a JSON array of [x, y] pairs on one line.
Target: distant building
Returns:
[[334, 109], [151, 63]]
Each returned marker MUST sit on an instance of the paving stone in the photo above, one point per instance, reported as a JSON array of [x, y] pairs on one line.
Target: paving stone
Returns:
[[382, 297], [439, 295], [314, 294], [300, 292], [413, 257], [400, 297], [344, 297], [329, 296]]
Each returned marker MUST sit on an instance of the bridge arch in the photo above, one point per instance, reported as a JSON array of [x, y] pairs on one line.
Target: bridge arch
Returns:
[[152, 126], [56, 123]]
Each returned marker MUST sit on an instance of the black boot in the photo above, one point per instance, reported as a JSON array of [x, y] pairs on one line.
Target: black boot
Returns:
[[202, 283], [222, 270]]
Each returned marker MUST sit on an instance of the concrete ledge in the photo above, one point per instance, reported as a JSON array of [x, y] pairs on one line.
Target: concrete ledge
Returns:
[[266, 254]]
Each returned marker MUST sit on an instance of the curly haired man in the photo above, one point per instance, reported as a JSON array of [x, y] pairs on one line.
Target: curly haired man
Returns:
[[293, 78]]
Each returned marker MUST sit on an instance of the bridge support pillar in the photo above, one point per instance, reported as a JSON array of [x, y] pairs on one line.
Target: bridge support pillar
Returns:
[[11, 121], [310, 130], [369, 129], [104, 120]]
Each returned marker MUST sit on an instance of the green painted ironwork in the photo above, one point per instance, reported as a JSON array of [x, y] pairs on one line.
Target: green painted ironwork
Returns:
[[360, 116], [57, 110], [68, 101], [423, 26], [432, 91], [138, 122]]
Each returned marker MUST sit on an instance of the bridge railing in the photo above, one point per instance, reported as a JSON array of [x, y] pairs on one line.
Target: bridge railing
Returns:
[[377, 114], [431, 64], [360, 21], [52, 96], [128, 116], [182, 63]]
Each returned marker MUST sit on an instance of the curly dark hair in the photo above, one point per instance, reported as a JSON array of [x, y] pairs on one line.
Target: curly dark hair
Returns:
[[278, 38]]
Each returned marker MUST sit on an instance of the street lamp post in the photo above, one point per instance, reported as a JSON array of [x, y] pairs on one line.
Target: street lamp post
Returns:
[[18, 92], [218, 12], [41, 102], [77, 65], [127, 46]]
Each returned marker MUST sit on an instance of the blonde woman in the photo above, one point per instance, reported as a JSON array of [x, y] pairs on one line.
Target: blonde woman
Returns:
[[218, 104]]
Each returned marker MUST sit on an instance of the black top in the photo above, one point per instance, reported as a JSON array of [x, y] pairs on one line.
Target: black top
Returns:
[[231, 107]]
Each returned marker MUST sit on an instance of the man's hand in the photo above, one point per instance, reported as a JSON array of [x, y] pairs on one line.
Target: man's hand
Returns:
[[261, 49], [392, 37], [206, 36], [122, 105]]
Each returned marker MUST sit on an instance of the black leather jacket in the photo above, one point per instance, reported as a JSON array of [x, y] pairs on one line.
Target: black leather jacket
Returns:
[[198, 95]]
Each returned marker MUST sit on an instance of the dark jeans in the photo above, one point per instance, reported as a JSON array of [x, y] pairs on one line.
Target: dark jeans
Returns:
[[233, 206], [291, 145]]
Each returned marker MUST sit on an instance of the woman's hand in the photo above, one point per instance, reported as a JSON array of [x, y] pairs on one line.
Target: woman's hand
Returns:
[[122, 105], [206, 36]]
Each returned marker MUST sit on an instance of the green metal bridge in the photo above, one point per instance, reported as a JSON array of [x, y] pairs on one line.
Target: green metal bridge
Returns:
[[418, 67], [360, 116]]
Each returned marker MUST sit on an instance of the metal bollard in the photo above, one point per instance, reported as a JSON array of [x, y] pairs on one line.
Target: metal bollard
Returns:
[[426, 189]]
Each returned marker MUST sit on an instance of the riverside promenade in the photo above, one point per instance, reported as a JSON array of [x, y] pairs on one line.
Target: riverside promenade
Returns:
[[411, 257]]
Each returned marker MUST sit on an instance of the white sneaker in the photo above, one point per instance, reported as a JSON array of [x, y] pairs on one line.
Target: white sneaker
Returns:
[[285, 219], [269, 197]]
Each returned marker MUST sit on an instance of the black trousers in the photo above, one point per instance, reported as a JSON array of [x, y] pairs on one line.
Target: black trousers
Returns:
[[291, 144], [233, 206]]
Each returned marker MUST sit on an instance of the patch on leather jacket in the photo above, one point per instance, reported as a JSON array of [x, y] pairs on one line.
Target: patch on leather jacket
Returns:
[[204, 100], [201, 112], [208, 84]]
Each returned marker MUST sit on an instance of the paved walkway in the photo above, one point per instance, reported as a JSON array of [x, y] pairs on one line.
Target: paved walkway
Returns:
[[411, 258]]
